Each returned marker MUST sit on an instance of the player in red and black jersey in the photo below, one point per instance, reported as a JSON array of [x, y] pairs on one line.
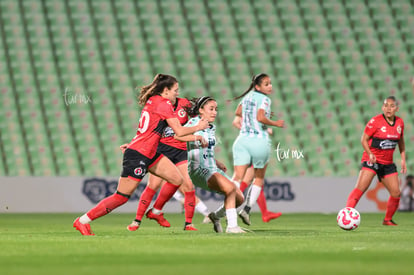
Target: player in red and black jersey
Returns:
[[381, 136], [141, 154], [176, 151]]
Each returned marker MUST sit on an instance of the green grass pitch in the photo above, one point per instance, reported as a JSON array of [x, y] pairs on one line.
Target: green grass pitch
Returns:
[[293, 244]]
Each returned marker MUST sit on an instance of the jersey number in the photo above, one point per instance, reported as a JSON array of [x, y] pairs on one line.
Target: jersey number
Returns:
[[143, 122]]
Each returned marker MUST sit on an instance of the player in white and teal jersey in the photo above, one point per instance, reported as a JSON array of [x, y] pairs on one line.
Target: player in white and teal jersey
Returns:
[[208, 173], [201, 160], [252, 146]]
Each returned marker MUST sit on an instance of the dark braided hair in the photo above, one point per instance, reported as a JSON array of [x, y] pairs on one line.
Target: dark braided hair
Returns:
[[196, 103]]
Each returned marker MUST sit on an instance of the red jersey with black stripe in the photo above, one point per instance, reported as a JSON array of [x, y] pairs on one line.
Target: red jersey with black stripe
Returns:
[[384, 138], [151, 125], [168, 135]]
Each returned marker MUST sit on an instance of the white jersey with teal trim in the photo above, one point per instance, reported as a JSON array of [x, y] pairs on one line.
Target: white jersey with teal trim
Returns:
[[251, 103], [199, 157]]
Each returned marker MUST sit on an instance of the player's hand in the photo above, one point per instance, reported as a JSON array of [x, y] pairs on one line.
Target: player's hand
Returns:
[[280, 123], [123, 147], [270, 131], [403, 167], [200, 141], [204, 142], [221, 165], [372, 158], [203, 124]]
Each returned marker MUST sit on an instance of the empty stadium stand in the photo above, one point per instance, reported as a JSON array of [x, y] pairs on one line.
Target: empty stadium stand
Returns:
[[70, 71]]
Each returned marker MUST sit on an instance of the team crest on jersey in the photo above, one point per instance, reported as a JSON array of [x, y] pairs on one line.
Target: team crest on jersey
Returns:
[[182, 113], [399, 129]]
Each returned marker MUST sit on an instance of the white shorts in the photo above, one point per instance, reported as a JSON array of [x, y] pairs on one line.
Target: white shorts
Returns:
[[200, 176], [248, 150]]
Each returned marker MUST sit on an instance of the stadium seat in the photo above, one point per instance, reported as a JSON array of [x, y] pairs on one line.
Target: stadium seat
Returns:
[[323, 56]]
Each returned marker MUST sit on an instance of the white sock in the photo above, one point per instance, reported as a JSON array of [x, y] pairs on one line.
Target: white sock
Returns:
[[231, 217], [237, 183], [179, 197], [202, 208], [220, 212], [254, 194], [156, 211], [84, 219]]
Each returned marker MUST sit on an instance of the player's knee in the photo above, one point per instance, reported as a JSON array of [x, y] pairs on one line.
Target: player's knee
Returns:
[[230, 190], [180, 181], [395, 193]]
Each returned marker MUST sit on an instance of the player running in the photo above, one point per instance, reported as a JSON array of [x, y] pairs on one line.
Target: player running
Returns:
[[141, 154], [248, 178], [176, 151], [381, 135], [252, 146], [207, 172]]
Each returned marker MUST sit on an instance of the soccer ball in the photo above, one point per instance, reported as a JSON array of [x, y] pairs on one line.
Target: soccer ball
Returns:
[[348, 218]]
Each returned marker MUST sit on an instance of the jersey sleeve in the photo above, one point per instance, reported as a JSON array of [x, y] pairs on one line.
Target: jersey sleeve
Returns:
[[370, 128], [265, 104]]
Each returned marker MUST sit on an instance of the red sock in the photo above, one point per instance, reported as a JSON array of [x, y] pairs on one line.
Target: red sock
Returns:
[[189, 206], [354, 197], [166, 193], [144, 202], [106, 205], [392, 206], [261, 202], [243, 186]]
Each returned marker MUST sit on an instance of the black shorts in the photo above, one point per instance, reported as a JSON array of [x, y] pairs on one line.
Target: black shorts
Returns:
[[176, 155], [382, 170], [135, 165]]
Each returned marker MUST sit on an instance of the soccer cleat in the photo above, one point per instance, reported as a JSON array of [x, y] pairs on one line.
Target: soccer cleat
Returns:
[[271, 216], [244, 216], [216, 222], [389, 222], [235, 230], [133, 226], [84, 229], [159, 218], [190, 227]]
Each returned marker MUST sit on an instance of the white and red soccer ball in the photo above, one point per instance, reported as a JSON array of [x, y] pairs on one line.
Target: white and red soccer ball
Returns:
[[348, 218]]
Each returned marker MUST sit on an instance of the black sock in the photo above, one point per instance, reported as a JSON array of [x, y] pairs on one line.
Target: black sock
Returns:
[[247, 209]]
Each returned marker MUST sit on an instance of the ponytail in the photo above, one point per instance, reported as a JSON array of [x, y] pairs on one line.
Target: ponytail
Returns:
[[256, 80], [157, 86]]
